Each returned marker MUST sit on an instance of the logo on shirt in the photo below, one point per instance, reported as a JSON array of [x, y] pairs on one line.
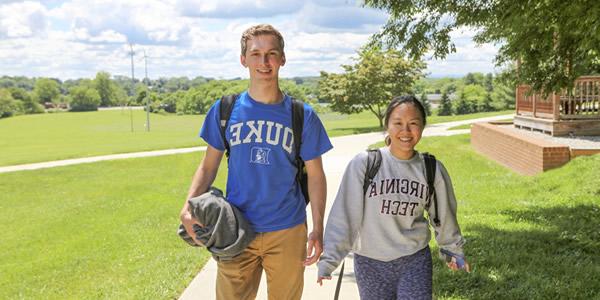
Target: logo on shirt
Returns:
[[260, 155]]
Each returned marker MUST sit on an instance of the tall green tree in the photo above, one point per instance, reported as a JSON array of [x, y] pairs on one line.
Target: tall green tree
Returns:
[[8, 105], [463, 107], [106, 89], [370, 84], [486, 104], [473, 96], [30, 106], [84, 97], [426, 104], [555, 41], [489, 82], [46, 90], [445, 108]]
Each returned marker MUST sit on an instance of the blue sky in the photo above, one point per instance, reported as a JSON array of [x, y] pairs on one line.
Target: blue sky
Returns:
[[77, 38]]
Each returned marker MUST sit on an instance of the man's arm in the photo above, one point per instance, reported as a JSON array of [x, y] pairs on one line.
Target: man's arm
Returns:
[[317, 191], [203, 178]]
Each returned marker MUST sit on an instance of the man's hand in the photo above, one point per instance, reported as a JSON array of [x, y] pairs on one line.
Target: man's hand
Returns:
[[314, 248], [188, 223]]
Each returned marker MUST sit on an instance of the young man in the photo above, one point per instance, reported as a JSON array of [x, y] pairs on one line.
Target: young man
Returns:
[[262, 177]]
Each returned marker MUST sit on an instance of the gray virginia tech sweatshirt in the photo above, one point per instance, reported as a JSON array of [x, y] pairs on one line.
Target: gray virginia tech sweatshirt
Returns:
[[388, 222]]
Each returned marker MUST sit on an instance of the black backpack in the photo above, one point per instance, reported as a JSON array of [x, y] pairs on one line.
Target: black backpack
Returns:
[[225, 109]]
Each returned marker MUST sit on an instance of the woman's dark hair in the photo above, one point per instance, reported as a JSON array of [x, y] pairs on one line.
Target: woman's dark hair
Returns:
[[396, 101]]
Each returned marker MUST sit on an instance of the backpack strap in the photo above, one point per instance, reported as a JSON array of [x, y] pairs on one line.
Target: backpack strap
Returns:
[[297, 128], [430, 169], [297, 125], [373, 164], [225, 109]]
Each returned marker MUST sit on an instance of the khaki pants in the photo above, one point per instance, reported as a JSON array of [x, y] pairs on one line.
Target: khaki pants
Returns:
[[280, 253]]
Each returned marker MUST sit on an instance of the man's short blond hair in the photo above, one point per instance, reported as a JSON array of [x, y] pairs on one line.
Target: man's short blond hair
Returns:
[[262, 29]]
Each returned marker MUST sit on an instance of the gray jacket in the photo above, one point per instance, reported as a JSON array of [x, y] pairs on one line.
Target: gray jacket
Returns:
[[226, 233]]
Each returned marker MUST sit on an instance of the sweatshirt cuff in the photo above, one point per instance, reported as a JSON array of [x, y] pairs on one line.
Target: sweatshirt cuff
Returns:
[[325, 269]]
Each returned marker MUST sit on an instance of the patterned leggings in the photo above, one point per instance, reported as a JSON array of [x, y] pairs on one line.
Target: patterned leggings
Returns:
[[407, 277]]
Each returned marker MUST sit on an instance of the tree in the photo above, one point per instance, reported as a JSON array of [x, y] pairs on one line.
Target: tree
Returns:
[[445, 108], [84, 97], [473, 96], [8, 105], [463, 107], [371, 83], [197, 100], [291, 88], [106, 89], [46, 90], [489, 82], [555, 41], [474, 78], [30, 106], [425, 103], [486, 105]]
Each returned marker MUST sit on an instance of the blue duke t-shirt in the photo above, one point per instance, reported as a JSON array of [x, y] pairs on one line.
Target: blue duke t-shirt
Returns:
[[262, 175]]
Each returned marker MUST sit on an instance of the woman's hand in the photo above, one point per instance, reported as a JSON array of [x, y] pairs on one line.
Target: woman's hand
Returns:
[[320, 279], [456, 265]]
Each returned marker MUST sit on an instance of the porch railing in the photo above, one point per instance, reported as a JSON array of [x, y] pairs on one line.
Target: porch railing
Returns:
[[581, 102]]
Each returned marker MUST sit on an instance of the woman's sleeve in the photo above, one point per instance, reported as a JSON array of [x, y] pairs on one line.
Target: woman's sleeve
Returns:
[[345, 217], [447, 235]]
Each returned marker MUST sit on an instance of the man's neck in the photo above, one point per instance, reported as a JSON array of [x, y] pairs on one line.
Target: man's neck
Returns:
[[266, 93]]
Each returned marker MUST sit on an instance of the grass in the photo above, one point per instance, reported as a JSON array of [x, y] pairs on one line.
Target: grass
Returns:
[[103, 230], [46, 137], [107, 230], [527, 237]]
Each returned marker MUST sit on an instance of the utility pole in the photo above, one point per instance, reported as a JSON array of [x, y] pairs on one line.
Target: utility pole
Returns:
[[132, 90], [147, 93]]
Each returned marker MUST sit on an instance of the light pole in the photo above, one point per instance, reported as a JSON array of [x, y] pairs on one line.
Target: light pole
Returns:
[[132, 90], [146, 80]]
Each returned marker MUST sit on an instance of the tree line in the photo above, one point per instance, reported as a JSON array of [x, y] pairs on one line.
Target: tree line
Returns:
[[23, 95], [367, 85]]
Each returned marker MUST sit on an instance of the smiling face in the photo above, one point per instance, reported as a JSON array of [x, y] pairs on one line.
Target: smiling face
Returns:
[[404, 128], [263, 57]]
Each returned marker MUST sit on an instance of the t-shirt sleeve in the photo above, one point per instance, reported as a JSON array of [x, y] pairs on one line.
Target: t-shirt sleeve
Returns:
[[211, 131], [315, 141]]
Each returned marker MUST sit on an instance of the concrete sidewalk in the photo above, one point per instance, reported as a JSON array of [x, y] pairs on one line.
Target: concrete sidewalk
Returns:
[[334, 164]]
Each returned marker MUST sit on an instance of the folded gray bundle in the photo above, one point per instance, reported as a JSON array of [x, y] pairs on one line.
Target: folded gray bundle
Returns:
[[226, 233]]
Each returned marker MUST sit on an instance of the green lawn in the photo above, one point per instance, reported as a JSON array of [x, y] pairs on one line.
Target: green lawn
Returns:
[[107, 230], [97, 231], [46, 137], [527, 237]]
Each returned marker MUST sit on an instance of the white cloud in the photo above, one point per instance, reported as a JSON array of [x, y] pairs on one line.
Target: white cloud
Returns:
[[77, 38], [24, 19], [226, 9], [144, 22]]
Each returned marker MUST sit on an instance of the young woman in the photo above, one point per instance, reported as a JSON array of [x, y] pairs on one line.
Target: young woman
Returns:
[[386, 227]]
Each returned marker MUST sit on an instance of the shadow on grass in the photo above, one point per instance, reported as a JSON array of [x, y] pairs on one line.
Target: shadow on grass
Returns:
[[557, 259]]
